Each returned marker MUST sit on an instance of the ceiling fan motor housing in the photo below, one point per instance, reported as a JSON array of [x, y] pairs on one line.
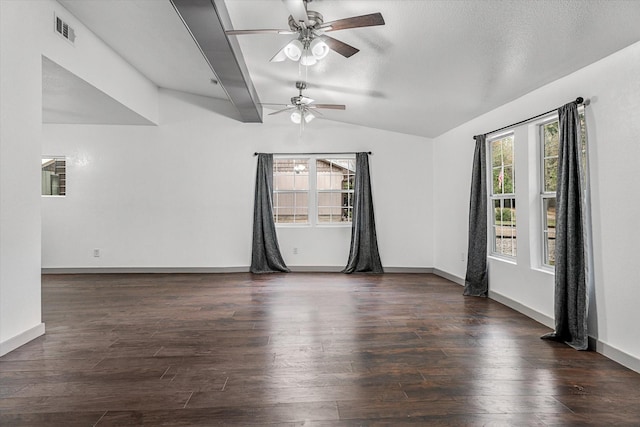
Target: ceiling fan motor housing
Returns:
[[314, 18]]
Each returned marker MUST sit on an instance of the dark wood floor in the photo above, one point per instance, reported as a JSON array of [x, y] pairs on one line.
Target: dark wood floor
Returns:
[[299, 349]]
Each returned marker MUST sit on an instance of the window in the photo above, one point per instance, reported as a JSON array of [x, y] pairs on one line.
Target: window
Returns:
[[335, 181], [291, 191], [549, 143], [314, 190], [54, 176], [549, 135], [502, 196]]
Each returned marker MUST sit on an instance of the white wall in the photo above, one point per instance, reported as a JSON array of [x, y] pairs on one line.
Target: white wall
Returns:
[[26, 34], [20, 129], [613, 86], [180, 195]]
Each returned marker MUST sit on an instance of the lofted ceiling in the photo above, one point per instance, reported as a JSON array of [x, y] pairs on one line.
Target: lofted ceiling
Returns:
[[434, 65]]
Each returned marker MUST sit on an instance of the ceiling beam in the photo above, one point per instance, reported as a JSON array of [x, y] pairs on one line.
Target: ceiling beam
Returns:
[[206, 20]]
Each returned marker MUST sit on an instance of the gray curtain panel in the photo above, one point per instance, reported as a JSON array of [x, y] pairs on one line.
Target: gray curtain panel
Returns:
[[363, 254], [265, 254], [476, 281], [570, 284]]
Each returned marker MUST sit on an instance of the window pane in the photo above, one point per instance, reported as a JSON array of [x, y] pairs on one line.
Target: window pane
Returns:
[[496, 153], [507, 184], [507, 150], [498, 179], [504, 226], [509, 212], [550, 174], [549, 230], [335, 183], [502, 165], [290, 174], [54, 176], [551, 138]]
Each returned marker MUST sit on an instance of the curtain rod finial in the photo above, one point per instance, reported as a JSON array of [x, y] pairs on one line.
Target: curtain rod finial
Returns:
[[579, 100]]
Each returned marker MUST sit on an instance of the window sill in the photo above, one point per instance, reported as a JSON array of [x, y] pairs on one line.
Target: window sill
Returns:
[[335, 225], [293, 225], [503, 259], [546, 270]]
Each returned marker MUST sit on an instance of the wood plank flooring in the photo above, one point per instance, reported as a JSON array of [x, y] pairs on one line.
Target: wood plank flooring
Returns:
[[299, 349]]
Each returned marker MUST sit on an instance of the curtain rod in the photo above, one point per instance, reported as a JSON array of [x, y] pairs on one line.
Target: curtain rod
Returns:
[[313, 154], [579, 100]]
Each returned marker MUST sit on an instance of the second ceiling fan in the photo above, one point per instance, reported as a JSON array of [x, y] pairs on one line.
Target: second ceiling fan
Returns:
[[302, 107], [312, 43]]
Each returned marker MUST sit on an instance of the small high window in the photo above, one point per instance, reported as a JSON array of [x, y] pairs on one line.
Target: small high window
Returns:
[[54, 176]]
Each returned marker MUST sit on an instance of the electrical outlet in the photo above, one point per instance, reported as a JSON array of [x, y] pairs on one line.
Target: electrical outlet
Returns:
[[96, 253], [463, 257], [295, 251]]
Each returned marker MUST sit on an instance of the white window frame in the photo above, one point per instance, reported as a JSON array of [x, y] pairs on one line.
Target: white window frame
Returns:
[[502, 197], [543, 194], [312, 207]]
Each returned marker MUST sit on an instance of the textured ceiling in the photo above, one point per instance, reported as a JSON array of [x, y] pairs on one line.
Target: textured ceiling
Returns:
[[433, 66]]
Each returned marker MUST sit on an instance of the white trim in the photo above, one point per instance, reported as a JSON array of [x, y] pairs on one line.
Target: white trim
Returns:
[[410, 270], [240, 269], [615, 354], [603, 348], [452, 277], [133, 270], [21, 339], [521, 308]]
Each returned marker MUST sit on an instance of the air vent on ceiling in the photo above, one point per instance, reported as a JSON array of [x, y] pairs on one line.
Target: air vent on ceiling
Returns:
[[64, 30]]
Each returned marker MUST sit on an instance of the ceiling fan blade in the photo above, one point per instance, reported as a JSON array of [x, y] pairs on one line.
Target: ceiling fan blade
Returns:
[[354, 22], [297, 9], [341, 47], [329, 106], [268, 104], [282, 111], [258, 31]]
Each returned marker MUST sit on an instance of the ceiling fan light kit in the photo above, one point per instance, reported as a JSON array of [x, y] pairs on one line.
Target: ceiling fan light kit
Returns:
[[311, 32], [310, 46]]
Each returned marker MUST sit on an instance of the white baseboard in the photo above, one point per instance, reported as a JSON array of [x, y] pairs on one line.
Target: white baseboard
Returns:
[[451, 277], [21, 339], [134, 270], [521, 308], [603, 348], [242, 269], [615, 354]]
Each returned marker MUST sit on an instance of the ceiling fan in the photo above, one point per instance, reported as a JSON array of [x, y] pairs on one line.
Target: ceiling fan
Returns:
[[303, 108], [312, 43]]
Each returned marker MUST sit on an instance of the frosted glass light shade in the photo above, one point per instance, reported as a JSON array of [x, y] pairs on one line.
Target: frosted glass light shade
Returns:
[[296, 117], [307, 58], [293, 50], [308, 117], [319, 49]]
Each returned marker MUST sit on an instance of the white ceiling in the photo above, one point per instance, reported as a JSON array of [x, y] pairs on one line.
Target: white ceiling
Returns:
[[65, 98], [435, 64]]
